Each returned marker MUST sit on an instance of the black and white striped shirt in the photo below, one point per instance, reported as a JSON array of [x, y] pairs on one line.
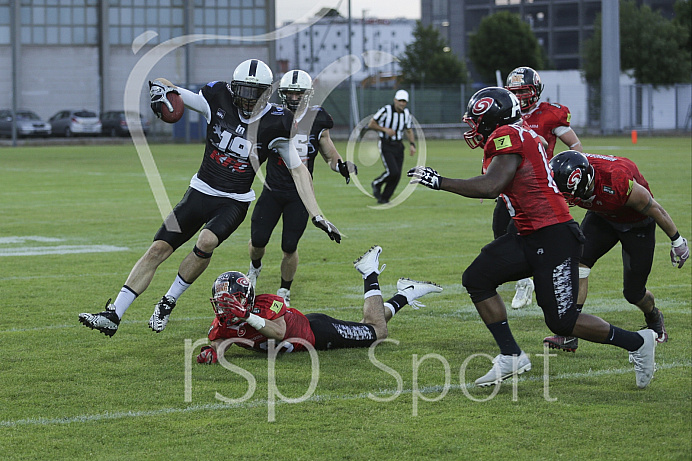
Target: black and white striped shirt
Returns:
[[387, 117]]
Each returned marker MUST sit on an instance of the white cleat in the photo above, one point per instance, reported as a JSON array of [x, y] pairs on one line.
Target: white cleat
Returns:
[[413, 289], [505, 366], [286, 294], [643, 358], [253, 274], [369, 262], [524, 294]]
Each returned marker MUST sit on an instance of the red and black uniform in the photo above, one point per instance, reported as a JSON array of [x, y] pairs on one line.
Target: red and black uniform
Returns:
[[270, 307], [543, 119], [220, 193], [548, 243], [609, 221], [279, 195], [320, 330]]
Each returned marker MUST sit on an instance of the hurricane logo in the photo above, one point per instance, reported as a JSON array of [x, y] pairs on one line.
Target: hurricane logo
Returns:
[[482, 105], [574, 179], [243, 281]]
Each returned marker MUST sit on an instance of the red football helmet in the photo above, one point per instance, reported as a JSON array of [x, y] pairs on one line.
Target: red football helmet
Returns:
[[526, 85], [232, 293]]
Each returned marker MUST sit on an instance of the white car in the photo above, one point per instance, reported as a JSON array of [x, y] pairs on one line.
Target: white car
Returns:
[[73, 122]]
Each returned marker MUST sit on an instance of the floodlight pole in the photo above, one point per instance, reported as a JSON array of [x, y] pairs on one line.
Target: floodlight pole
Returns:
[[350, 77], [610, 67]]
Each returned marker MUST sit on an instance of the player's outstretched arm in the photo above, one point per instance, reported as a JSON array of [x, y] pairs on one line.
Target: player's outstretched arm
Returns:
[[333, 158], [641, 200]]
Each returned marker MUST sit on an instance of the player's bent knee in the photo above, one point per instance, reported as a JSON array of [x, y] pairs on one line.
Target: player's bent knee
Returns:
[[634, 296], [561, 327], [159, 250], [478, 288]]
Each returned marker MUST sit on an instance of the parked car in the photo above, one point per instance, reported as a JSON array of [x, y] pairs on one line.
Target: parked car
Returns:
[[73, 122], [28, 124], [114, 123]]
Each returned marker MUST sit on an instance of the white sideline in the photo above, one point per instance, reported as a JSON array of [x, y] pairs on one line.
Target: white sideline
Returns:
[[40, 421]]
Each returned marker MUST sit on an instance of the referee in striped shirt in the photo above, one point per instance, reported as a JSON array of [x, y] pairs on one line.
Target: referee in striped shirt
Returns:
[[392, 121]]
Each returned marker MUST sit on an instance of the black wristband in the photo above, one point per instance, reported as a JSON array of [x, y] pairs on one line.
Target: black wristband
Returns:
[[675, 237], [412, 144]]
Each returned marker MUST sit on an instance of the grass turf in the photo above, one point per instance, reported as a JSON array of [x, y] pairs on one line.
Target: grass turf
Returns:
[[71, 393]]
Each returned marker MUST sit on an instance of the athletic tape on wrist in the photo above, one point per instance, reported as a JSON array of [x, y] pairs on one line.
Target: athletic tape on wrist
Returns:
[[677, 242], [256, 322]]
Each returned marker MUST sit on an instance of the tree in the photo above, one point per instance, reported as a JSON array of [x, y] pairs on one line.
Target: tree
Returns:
[[503, 42], [425, 60], [655, 50]]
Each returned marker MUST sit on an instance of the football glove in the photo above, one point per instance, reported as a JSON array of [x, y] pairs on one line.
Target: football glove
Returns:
[[426, 176], [679, 253], [157, 93], [346, 168], [207, 355], [328, 227]]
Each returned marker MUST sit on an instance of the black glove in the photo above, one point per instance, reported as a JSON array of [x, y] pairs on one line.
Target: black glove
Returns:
[[345, 169], [328, 227], [426, 176], [157, 93]]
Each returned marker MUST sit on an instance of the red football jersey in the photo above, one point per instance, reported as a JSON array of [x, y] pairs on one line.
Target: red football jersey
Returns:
[[270, 307], [613, 181], [532, 197], [544, 119]]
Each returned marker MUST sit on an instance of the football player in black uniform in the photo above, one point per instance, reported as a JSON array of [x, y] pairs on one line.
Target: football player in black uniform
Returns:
[[242, 128], [279, 196]]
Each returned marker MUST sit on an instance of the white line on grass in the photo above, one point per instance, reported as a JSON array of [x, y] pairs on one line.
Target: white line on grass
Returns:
[[60, 250], [41, 421]]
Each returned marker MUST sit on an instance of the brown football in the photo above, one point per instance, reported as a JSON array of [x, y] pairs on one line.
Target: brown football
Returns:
[[178, 109]]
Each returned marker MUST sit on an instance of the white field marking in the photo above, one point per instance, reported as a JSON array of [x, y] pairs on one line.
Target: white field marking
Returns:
[[60, 250], [41, 421], [28, 238]]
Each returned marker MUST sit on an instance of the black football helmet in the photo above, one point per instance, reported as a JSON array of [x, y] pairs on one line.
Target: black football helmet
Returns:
[[488, 109], [526, 85], [573, 174], [231, 289], [251, 80]]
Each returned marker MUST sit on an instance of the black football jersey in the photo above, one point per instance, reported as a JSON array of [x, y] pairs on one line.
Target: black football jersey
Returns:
[[306, 140], [231, 143]]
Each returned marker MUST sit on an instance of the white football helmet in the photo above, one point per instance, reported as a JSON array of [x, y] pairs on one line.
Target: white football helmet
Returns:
[[295, 88], [251, 80]]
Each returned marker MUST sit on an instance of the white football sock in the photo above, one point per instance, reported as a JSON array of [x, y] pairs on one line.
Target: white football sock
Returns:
[[123, 301], [178, 288]]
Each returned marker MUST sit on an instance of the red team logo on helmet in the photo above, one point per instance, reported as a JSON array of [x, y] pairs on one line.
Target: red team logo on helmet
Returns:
[[482, 106], [574, 179]]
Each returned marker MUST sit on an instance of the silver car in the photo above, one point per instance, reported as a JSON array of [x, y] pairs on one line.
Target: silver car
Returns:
[[74, 122], [28, 124]]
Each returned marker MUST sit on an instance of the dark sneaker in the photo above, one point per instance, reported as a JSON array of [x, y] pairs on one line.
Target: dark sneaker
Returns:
[[106, 322], [657, 325], [565, 343], [376, 191], [162, 312]]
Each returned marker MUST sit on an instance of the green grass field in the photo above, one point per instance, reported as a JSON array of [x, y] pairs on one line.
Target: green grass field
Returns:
[[75, 219]]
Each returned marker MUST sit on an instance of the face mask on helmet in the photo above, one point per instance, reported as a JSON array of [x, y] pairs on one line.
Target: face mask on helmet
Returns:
[[573, 175], [231, 290], [526, 85], [295, 90], [488, 109], [249, 87]]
